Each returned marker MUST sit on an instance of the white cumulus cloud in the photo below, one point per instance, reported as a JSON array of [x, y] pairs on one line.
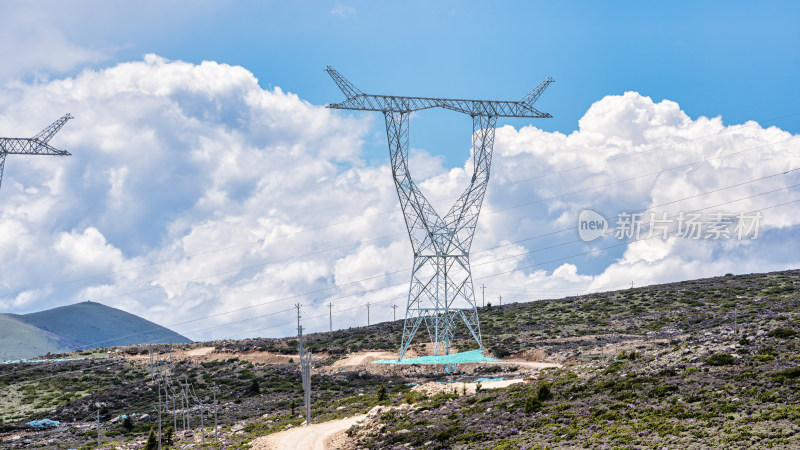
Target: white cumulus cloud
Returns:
[[193, 192]]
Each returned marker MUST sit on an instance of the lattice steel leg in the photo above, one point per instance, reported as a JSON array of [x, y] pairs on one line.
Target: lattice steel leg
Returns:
[[2, 166], [441, 293]]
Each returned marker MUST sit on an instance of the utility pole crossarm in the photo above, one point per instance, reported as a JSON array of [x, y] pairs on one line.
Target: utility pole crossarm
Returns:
[[356, 100]]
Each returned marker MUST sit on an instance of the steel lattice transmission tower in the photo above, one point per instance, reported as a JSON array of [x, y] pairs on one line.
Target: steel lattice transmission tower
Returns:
[[441, 292], [37, 145]]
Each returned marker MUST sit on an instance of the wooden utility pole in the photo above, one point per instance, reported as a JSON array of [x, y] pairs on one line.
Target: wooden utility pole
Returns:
[[184, 406], [202, 417], [216, 430], [305, 367], [174, 410], [299, 332], [158, 410]]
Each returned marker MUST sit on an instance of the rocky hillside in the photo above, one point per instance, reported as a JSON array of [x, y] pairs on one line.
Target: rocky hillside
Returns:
[[706, 363]]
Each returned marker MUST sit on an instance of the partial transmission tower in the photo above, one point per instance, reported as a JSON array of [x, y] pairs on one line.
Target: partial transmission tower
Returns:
[[441, 292], [37, 145]]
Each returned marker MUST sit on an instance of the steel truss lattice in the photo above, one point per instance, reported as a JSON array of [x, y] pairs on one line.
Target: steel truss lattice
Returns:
[[37, 145], [441, 293]]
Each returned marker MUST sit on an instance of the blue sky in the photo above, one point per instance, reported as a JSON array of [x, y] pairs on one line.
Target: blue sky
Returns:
[[738, 60], [202, 154]]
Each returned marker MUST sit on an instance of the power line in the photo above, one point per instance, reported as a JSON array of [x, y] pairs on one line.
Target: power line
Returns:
[[188, 257], [520, 268], [390, 299], [648, 209], [240, 269], [479, 264], [382, 301], [390, 286], [498, 259], [628, 242]]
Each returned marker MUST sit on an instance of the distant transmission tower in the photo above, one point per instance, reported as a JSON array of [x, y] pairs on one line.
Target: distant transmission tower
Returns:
[[37, 145], [441, 290]]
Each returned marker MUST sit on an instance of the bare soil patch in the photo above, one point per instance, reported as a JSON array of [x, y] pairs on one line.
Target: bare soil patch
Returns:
[[317, 436]]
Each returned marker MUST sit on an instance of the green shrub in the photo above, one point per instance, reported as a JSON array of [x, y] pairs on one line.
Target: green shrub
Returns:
[[450, 432], [664, 391], [127, 424], [152, 442], [720, 359], [166, 438], [414, 396], [782, 333], [532, 404], [792, 373], [500, 352], [471, 436], [632, 355], [544, 393]]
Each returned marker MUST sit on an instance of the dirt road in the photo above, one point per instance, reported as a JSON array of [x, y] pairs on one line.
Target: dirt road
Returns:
[[318, 436]]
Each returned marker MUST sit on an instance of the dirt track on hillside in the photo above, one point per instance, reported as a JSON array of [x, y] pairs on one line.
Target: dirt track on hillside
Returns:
[[202, 354], [317, 436]]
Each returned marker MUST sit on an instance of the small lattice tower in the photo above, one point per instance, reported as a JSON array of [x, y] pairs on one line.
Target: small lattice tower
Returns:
[[37, 145]]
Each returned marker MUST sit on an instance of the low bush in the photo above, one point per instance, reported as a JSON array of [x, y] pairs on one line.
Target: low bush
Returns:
[[720, 359], [782, 333]]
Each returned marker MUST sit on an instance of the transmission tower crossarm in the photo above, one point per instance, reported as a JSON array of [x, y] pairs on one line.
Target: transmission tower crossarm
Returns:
[[386, 103], [530, 98], [358, 101], [45, 135], [347, 87], [37, 145]]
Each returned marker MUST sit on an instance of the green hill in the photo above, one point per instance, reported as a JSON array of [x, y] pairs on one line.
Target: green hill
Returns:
[[77, 327], [19, 340]]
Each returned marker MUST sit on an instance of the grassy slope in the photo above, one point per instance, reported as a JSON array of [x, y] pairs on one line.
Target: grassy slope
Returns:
[[20, 340], [692, 381], [672, 392], [94, 325]]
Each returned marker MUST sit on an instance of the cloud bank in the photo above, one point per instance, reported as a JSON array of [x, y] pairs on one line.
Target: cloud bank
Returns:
[[193, 193]]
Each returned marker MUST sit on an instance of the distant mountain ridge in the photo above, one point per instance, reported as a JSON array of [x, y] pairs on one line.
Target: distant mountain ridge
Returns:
[[80, 326]]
